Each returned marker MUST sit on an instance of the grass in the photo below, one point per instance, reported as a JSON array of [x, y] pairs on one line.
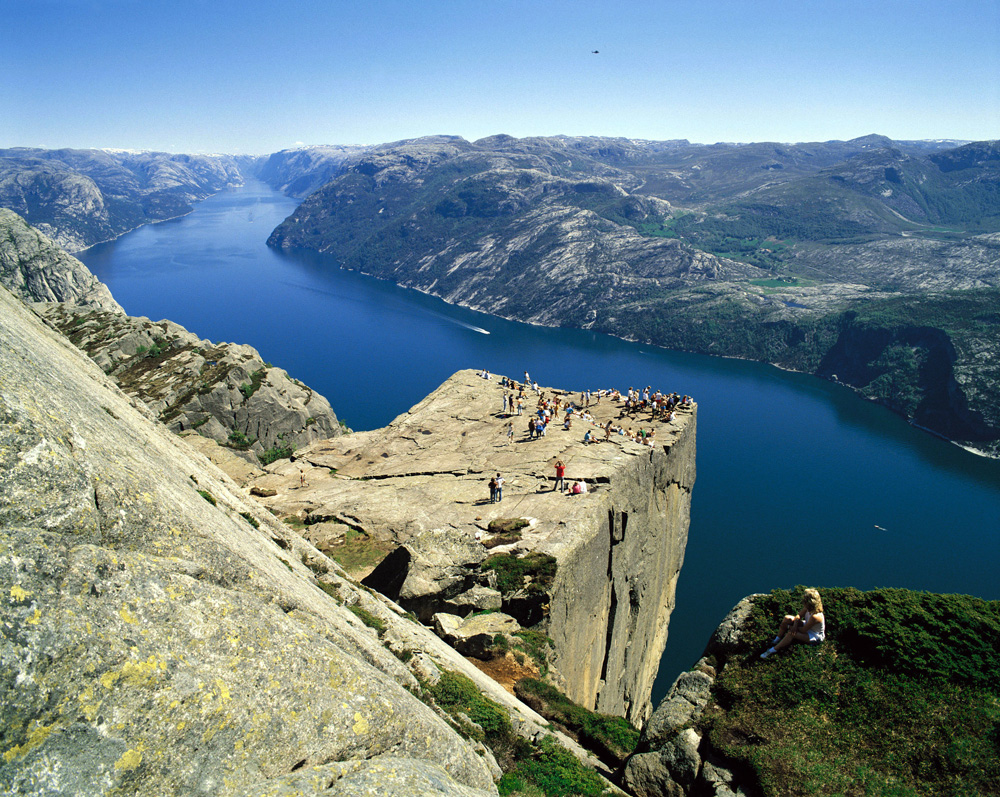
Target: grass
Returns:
[[208, 497], [358, 551], [902, 698], [369, 619], [611, 738]]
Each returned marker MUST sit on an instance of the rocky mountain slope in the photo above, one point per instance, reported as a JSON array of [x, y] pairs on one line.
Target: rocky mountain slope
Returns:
[[775, 253], [36, 270], [224, 391], [298, 172], [81, 197]]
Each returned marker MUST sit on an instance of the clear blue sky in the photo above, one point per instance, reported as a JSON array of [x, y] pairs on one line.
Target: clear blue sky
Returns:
[[254, 76]]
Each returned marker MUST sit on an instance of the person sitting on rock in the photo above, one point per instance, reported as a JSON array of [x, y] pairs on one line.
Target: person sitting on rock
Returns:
[[809, 625]]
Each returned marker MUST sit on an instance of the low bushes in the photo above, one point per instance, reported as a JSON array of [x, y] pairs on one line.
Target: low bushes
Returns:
[[902, 698]]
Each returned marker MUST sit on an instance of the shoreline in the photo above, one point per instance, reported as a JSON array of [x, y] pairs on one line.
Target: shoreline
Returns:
[[429, 292]]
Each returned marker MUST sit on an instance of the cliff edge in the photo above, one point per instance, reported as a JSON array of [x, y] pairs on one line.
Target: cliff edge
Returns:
[[601, 568]]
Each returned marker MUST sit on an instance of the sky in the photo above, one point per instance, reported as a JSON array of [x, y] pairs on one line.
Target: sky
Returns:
[[257, 76]]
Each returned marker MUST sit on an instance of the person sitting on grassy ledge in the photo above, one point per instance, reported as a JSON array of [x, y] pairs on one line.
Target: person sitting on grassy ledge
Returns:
[[808, 626]]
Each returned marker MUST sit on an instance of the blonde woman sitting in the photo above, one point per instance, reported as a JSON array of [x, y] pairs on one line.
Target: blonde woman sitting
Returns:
[[809, 625]]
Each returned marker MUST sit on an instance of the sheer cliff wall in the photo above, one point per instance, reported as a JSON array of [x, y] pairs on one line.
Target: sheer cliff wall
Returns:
[[614, 591]]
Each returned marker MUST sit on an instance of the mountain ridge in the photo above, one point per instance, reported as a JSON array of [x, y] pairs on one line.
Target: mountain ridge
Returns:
[[545, 231]]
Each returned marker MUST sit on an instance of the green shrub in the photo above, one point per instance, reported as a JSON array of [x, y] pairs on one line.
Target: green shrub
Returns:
[[512, 571], [251, 387], [274, 453], [555, 771], [250, 519], [208, 497], [240, 441]]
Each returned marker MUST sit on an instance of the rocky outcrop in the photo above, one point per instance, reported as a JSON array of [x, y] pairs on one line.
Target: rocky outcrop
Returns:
[[420, 485], [82, 197], [673, 758], [36, 270], [223, 391], [162, 634]]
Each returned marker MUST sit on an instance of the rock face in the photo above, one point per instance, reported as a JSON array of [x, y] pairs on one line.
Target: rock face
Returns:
[[82, 197], [36, 270], [159, 633], [421, 484], [224, 391], [672, 758], [299, 172]]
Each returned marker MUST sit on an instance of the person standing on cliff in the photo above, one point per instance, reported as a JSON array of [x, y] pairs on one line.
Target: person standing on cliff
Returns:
[[499, 482], [560, 476], [493, 491], [510, 433]]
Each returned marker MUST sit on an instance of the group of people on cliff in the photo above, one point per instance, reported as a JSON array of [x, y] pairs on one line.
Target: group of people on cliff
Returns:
[[661, 406], [550, 408]]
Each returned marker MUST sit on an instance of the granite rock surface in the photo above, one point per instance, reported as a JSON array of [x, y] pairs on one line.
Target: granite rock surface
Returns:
[[159, 632]]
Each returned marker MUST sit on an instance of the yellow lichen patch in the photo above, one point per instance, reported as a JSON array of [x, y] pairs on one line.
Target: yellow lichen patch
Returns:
[[223, 690], [18, 593], [109, 678], [36, 617], [89, 629], [37, 733], [127, 616], [88, 705], [143, 673], [360, 726], [130, 759]]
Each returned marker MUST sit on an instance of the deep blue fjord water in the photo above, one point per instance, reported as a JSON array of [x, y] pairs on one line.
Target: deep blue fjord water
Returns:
[[794, 474]]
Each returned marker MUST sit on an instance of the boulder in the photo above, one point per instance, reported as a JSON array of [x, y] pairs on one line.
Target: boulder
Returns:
[[476, 634], [476, 599]]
